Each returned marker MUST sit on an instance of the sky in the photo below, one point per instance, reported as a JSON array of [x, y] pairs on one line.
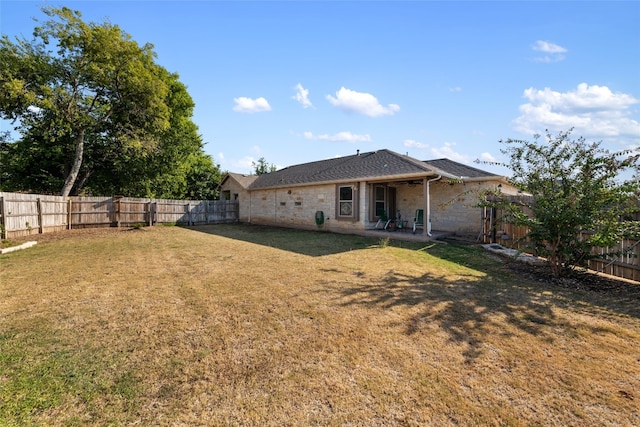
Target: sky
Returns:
[[298, 81]]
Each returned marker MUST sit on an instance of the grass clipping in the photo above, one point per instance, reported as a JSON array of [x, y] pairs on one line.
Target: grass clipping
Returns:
[[241, 325]]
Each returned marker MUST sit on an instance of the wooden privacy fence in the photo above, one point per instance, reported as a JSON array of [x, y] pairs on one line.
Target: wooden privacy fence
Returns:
[[25, 214], [621, 260]]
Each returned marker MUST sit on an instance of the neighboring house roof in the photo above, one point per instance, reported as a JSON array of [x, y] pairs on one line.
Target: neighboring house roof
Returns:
[[379, 164], [244, 180], [458, 169]]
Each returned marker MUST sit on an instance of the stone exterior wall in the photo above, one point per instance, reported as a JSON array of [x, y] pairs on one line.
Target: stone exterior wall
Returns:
[[409, 198], [453, 207], [296, 207], [234, 187]]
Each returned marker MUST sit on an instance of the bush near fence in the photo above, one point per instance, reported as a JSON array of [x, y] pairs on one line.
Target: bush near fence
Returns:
[[26, 214], [621, 260]]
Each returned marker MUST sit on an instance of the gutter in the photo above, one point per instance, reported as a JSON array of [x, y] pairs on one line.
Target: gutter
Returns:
[[368, 179]]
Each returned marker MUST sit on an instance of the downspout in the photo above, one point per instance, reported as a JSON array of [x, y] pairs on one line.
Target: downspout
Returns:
[[427, 217]]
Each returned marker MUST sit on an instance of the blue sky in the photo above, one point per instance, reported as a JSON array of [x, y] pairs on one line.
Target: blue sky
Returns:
[[300, 81]]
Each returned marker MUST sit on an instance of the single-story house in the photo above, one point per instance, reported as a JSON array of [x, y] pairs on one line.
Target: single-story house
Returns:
[[352, 194]]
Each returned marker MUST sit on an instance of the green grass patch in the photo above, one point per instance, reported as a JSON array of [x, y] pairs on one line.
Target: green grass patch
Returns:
[[43, 372]]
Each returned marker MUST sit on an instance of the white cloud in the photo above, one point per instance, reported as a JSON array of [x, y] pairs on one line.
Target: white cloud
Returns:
[[593, 111], [244, 164], [554, 52], [548, 47], [248, 105], [448, 152], [302, 96], [487, 157], [455, 89], [338, 137], [411, 143], [361, 103]]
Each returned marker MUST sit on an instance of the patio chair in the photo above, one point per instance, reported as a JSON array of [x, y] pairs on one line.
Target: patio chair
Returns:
[[383, 221], [418, 220]]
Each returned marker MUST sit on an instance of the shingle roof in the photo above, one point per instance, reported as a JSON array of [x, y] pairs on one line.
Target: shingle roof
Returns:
[[244, 180], [458, 169], [379, 164], [371, 165]]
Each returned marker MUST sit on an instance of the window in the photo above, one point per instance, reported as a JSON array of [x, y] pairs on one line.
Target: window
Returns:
[[383, 202], [346, 201], [346, 205], [380, 201]]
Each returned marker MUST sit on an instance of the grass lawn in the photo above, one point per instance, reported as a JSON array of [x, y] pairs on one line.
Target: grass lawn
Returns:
[[245, 325]]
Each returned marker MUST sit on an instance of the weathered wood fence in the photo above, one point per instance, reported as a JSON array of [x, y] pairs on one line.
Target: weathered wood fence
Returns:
[[25, 214], [621, 260]]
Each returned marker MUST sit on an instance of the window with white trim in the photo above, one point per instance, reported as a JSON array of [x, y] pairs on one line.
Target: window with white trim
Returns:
[[346, 202]]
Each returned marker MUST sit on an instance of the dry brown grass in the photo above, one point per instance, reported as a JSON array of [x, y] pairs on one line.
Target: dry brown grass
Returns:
[[237, 325]]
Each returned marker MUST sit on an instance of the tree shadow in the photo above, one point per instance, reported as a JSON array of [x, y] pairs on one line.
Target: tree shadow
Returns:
[[470, 308], [304, 242]]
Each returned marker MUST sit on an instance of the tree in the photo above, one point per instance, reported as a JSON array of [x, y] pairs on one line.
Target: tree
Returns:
[[98, 98], [575, 187], [262, 167], [200, 174], [169, 169]]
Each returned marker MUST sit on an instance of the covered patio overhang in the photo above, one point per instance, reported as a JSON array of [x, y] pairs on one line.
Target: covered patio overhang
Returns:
[[406, 199]]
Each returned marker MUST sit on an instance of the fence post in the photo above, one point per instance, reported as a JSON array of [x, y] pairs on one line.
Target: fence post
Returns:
[[3, 229], [117, 208], [39, 208], [69, 213], [188, 211]]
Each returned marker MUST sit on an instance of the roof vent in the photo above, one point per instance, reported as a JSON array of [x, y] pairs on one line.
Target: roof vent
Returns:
[[357, 152]]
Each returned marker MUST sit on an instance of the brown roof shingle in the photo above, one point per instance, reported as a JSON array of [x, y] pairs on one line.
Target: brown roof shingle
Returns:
[[244, 180], [458, 169], [371, 165]]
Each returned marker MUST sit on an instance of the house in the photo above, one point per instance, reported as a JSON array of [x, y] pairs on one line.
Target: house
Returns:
[[352, 193]]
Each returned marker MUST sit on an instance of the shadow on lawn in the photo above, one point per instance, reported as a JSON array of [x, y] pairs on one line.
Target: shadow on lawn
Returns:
[[470, 309], [305, 242]]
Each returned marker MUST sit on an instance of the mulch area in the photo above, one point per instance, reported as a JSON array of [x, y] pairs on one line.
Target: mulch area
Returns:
[[580, 280]]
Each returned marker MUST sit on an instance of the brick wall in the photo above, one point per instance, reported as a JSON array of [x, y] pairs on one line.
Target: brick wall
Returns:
[[453, 207], [297, 207], [233, 187]]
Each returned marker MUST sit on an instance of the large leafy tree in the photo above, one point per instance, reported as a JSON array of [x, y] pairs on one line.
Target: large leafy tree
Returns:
[[574, 187], [94, 112]]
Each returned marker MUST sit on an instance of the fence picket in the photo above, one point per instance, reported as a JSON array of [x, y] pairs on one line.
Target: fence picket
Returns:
[[26, 214], [622, 260]]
